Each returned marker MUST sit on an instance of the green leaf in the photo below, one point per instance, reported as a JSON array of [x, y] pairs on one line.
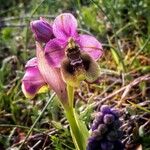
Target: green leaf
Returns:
[[82, 126], [138, 106], [57, 125], [6, 33], [118, 59]]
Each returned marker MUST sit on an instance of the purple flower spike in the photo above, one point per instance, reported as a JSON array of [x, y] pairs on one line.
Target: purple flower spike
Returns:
[[106, 134], [32, 81], [42, 30]]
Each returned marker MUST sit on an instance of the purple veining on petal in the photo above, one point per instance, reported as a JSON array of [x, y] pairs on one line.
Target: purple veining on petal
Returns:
[[42, 30], [65, 26], [54, 52], [32, 80], [91, 45]]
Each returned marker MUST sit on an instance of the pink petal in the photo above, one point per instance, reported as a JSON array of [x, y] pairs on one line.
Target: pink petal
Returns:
[[31, 63], [90, 45], [54, 52], [51, 75], [32, 80], [65, 26]]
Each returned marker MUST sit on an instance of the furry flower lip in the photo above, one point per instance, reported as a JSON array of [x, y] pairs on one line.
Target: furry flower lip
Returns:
[[78, 65]]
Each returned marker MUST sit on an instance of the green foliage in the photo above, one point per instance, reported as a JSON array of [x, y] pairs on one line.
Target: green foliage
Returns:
[[91, 21], [6, 33]]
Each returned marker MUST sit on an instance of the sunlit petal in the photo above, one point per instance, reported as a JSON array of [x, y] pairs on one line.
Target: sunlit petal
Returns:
[[65, 26], [91, 45]]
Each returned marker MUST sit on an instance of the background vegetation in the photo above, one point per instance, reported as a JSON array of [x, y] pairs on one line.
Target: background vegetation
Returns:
[[123, 26]]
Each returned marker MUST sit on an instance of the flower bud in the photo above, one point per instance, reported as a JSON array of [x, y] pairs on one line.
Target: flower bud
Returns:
[[98, 120], [116, 113], [102, 128], [95, 124], [96, 135], [42, 30], [105, 109], [93, 144], [108, 119], [99, 117], [107, 145], [113, 136]]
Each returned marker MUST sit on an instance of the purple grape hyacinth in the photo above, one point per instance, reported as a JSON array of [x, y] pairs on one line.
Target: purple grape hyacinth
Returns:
[[105, 130]]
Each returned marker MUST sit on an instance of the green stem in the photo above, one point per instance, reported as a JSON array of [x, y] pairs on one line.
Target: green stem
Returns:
[[70, 91], [75, 132], [74, 127]]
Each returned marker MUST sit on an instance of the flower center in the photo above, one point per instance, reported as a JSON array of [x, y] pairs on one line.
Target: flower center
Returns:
[[78, 65], [74, 63], [73, 53]]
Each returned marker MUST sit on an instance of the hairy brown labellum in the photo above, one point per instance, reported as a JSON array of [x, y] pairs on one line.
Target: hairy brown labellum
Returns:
[[78, 65]]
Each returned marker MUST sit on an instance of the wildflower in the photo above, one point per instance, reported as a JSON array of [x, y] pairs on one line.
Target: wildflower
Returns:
[[42, 30], [75, 54], [68, 57], [105, 131]]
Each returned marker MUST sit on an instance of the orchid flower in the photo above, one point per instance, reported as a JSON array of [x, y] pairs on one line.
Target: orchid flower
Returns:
[[66, 36], [63, 37]]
